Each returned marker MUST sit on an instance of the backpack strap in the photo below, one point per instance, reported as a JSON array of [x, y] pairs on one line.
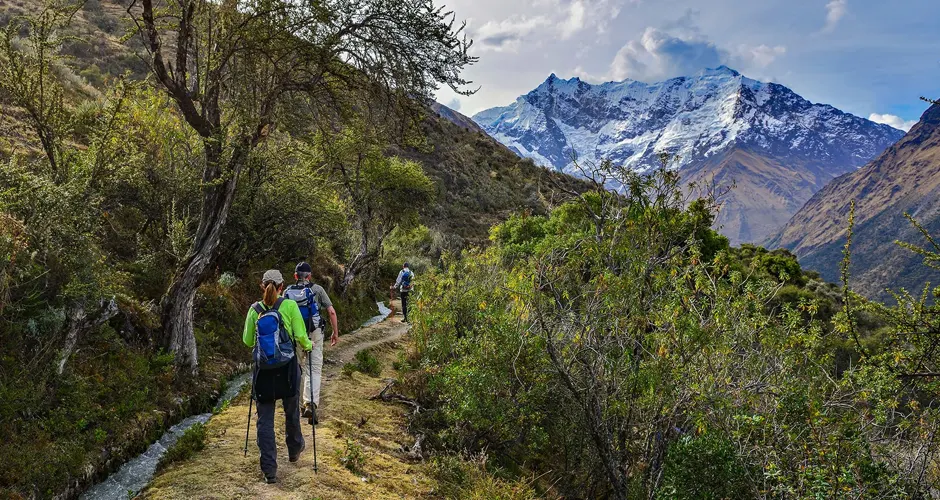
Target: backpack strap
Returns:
[[258, 307], [311, 298], [290, 335]]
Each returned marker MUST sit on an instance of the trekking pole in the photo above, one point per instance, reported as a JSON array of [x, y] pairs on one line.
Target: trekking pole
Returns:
[[313, 418], [251, 399]]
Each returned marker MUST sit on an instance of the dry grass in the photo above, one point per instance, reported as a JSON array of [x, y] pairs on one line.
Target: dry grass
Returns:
[[221, 471]]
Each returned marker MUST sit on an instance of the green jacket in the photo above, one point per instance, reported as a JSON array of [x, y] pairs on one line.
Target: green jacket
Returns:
[[293, 321]]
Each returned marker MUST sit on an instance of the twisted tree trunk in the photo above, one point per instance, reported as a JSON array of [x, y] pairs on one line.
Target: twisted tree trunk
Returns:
[[219, 191], [365, 257], [79, 323]]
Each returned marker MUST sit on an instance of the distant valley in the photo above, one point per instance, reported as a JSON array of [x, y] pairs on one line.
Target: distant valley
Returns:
[[904, 179]]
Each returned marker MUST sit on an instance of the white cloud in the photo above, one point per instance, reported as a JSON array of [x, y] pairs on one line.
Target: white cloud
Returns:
[[556, 17], [835, 11], [681, 49], [658, 55], [507, 35], [587, 76], [754, 57], [575, 20], [892, 120], [572, 17], [454, 104]]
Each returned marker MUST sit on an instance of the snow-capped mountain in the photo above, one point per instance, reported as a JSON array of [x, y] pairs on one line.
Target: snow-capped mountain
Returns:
[[718, 122]]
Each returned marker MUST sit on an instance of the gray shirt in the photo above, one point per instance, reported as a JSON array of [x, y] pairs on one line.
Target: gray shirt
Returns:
[[323, 300]]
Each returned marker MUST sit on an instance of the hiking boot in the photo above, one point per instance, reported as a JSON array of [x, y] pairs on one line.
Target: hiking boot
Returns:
[[270, 479], [310, 413], [296, 457], [307, 412]]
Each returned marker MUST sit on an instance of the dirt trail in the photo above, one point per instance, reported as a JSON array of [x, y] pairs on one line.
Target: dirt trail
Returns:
[[348, 417]]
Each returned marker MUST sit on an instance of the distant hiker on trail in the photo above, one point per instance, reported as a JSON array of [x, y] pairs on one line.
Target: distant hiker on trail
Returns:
[[312, 301], [275, 328], [404, 284]]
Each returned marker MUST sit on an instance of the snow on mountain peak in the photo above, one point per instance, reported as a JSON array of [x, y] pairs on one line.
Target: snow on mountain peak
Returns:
[[630, 122]]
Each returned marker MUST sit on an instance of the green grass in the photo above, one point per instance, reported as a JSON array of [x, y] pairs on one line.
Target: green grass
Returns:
[[192, 441], [463, 479]]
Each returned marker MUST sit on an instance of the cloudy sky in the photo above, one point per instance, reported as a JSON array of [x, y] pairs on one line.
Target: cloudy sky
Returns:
[[872, 58]]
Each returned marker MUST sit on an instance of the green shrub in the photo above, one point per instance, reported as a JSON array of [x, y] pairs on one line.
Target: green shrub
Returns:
[[227, 279], [704, 467], [582, 344], [352, 457], [191, 442], [364, 362]]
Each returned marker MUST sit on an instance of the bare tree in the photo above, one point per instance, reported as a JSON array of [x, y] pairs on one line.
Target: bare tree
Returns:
[[234, 67]]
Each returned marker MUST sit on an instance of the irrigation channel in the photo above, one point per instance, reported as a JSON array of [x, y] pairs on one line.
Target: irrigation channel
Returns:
[[137, 473]]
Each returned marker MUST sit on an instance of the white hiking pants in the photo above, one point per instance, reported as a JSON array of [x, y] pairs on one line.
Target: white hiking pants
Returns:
[[312, 377]]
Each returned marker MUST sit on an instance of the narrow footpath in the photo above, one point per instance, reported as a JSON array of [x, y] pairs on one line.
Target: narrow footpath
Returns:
[[362, 444]]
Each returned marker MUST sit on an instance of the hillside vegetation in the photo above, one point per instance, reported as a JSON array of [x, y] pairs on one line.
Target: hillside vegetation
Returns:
[[133, 231], [480, 182], [905, 179], [619, 348]]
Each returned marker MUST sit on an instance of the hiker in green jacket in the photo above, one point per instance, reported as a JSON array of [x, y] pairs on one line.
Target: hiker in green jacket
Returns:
[[283, 382]]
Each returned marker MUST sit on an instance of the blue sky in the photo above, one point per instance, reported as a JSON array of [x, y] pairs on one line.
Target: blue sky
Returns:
[[870, 58]]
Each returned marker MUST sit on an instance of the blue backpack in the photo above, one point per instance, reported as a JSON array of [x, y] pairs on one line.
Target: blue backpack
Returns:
[[406, 280], [274, 347], [307, 303]]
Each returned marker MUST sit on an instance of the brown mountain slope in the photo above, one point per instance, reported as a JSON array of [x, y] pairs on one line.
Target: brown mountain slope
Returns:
[[903, 179], [766, 190], [455, 117], [480, 182]]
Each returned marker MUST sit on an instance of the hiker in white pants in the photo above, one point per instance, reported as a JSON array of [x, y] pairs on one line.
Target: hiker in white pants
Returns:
[[312, 375], [312, 301]]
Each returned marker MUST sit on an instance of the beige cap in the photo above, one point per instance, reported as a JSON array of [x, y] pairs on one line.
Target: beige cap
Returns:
[[272, 275]]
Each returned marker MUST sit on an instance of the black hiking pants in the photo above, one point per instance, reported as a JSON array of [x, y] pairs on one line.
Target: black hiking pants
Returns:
[[404, 304], [278, 384]]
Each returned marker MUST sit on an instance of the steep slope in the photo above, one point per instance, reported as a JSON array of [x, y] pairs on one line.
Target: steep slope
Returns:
[[481, 182], [760, 192], [455, 117], [904, 179], [719, 122]]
